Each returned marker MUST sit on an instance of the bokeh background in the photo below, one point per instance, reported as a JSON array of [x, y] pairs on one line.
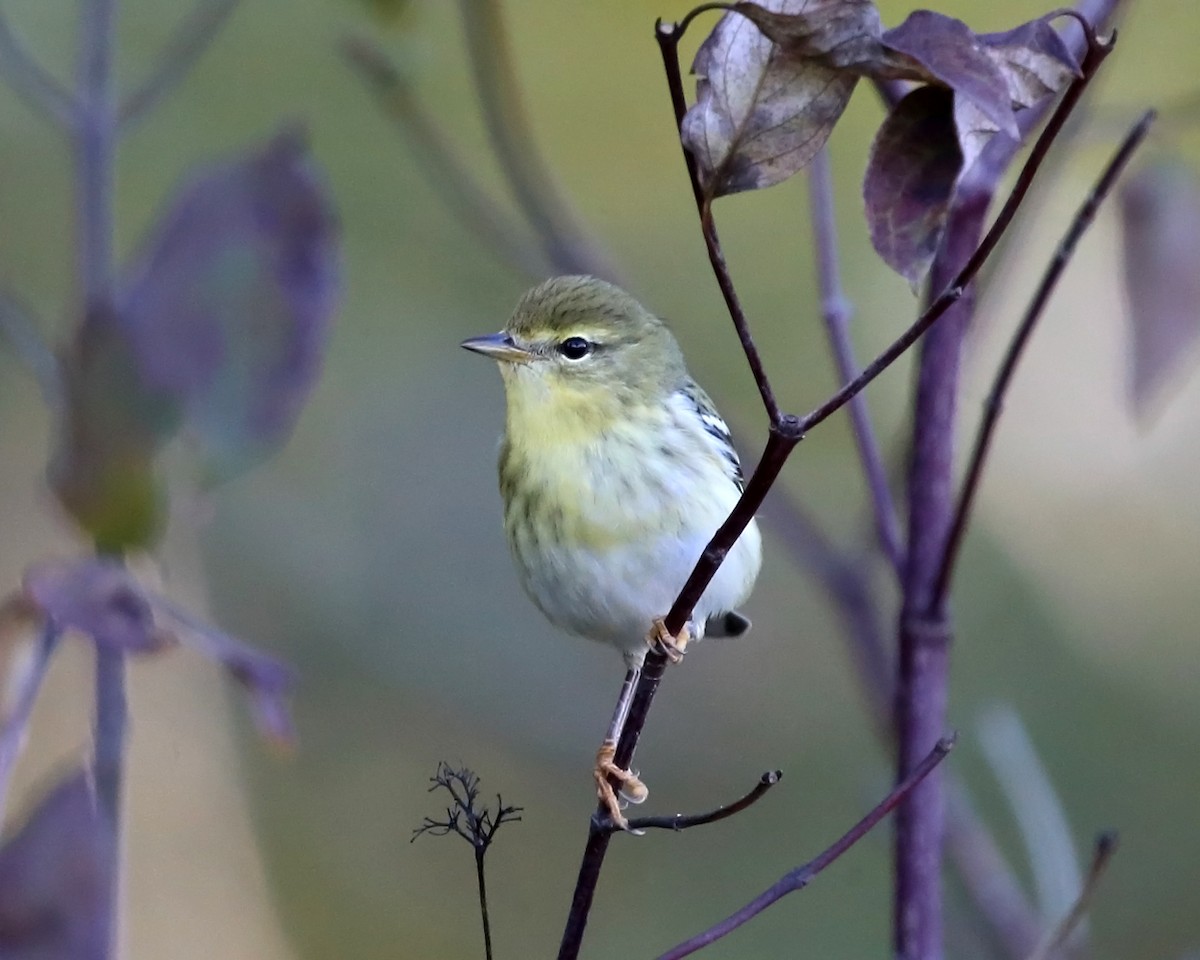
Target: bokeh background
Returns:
[[369, 553]]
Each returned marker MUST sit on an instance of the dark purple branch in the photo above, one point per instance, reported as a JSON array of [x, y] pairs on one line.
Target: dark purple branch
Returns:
[[680, 821], [925, 632], [16, 723], [445, 172], [189, 42], [567, 245], [835, 309], [994, 404], [799, 878]]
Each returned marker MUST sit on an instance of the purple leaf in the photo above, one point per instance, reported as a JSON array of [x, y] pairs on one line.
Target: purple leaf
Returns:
[[948, 50], [911, 174], [1160, 220], [56, 879], [228, 309], [98, 598], [762, 109]]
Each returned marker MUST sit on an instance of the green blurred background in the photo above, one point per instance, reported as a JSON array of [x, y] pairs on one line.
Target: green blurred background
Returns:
[[370, 552]]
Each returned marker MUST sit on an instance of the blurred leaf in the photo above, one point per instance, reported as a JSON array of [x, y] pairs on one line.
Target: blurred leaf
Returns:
[[1160, 223], [763, 110], [387, 12], [228, 310], [55, 879], [911, 174], [98, 598], [112, 427]]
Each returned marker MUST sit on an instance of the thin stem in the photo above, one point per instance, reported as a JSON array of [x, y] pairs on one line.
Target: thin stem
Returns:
[[566, 244], [680, 821], [483, 904], [1105, 846], [802, 876], [111, 727], [994, 405], [186, 45], [668, 36], [458, 188], [16, 723], [835, 310], [31, 81]]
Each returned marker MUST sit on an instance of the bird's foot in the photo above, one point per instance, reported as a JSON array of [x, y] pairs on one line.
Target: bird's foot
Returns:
[[660, 641], [631, 788]]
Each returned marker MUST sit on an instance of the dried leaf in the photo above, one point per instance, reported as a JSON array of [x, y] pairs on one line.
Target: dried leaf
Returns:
[[55, 880], [762, 112], [97, 597], [911, 174], [228, 310], [1160, 222], [948, 51]]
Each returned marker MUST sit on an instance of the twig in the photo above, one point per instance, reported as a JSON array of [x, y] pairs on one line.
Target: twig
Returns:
[[567, 245], [680, 821], [835, 310], [186, 45], [34, 353], [1105, 847], [31, 81], [458, 188], [799, 878], [16, 723], [994, 404]]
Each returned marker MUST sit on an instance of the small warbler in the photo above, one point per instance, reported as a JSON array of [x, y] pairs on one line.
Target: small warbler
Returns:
[[615, 471]]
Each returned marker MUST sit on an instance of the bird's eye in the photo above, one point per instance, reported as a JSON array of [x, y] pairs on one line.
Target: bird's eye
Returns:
[[574, 348]]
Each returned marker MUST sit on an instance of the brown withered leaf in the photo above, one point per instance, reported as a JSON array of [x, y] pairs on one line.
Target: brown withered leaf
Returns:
[[912, 171], [763, 109], [1160, 226]]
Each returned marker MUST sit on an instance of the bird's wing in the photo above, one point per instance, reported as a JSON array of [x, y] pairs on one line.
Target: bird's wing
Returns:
[[716, 428]]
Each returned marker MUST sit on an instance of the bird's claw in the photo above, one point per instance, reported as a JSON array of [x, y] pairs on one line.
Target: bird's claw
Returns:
[[632, 790], [660, 641]]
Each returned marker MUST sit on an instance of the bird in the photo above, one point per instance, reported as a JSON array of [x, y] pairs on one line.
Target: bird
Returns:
[[615, 471]]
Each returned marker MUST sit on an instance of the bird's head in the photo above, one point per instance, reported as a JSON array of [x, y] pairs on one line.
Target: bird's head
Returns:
[[574, 341]]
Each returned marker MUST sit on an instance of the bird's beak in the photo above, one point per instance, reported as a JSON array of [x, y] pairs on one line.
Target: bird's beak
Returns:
[[498, 346]]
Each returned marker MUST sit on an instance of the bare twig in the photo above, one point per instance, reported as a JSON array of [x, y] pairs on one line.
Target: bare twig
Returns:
[[188, 43], [1105, 847], [458, 188], [30, 80], [567, 245], [994, 405], [477, 825], [16, 721], [799, 878], [680, 821], [835, 309]]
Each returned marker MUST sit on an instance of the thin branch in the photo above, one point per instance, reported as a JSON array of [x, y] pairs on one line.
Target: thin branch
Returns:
[[185, 47], [31, 81], [835, 310], [32, 350], [1105, 847], [799, 878], [16, 723], [457, 187], [668, 36], [567, 245], [681, 821], [994, 404]]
